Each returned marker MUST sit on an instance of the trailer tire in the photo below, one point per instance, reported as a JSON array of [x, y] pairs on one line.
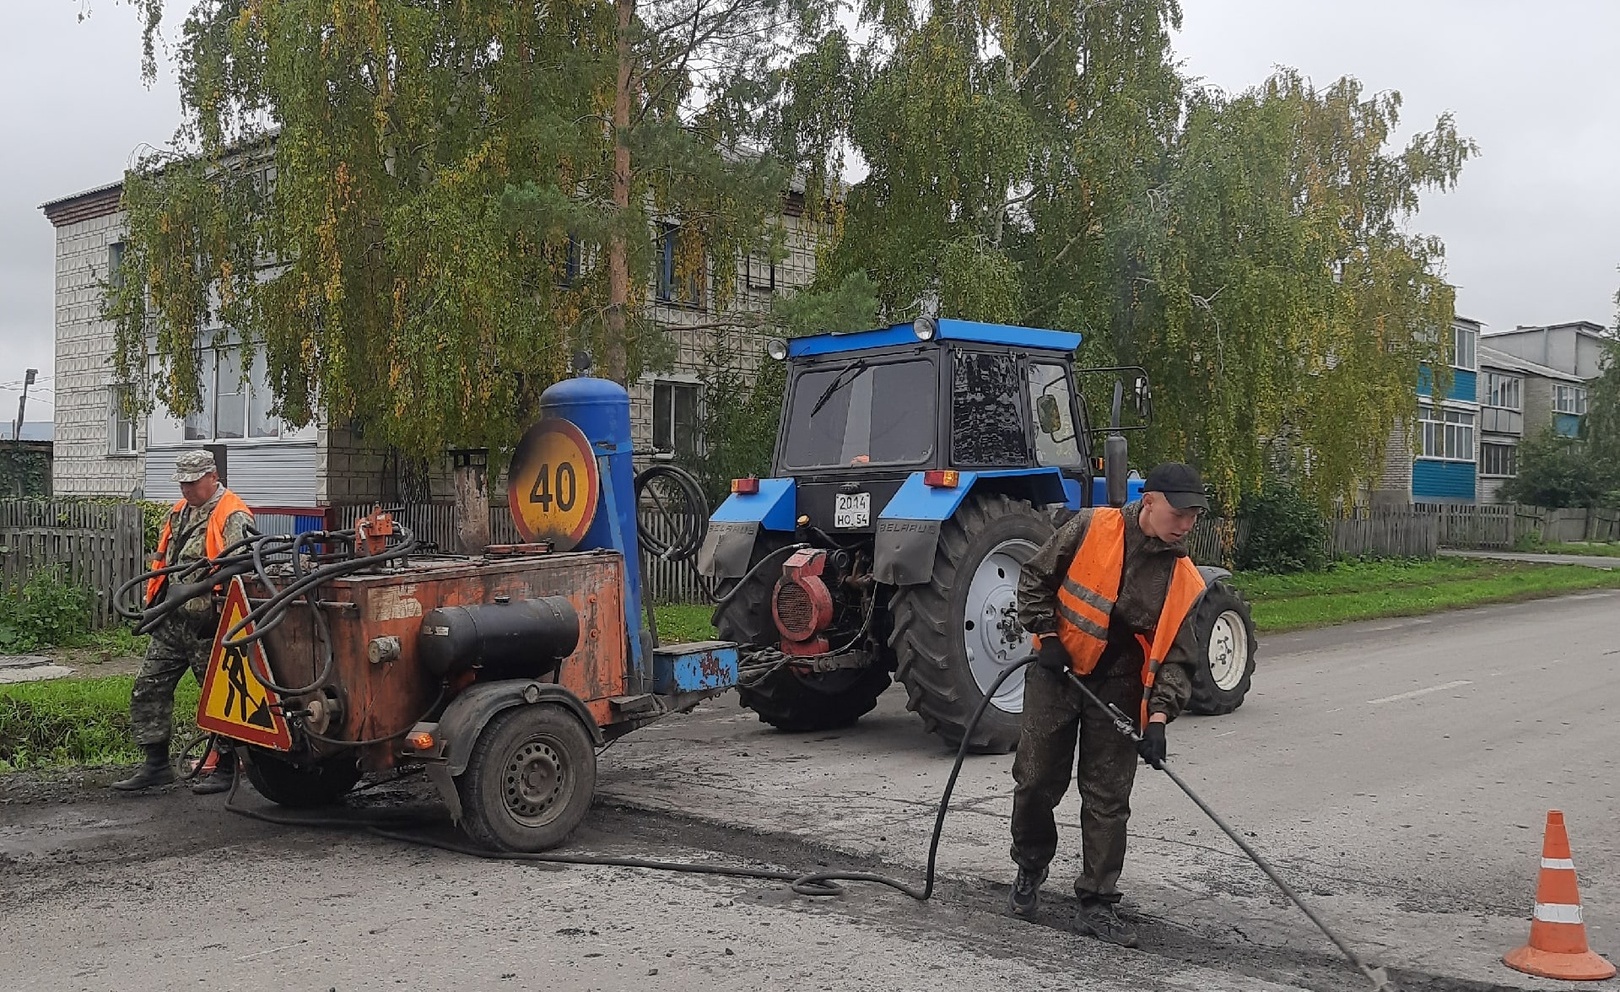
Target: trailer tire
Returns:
[[529, 780], [792, 702], [287, 784], [988, 535], [1226, 643]]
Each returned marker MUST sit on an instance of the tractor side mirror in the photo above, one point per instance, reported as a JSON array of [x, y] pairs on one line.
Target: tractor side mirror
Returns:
[[1048, 415], [1144, 398], [1115, 472]]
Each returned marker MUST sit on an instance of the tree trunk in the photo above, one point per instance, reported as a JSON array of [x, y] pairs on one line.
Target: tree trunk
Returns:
[[471, 519], [616, 360]]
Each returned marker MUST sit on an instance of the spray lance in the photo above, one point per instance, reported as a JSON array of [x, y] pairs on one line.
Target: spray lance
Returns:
[[1124, 724]]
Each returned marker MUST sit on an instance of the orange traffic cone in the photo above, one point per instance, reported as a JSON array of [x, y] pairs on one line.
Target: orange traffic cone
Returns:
[[1557, 947]]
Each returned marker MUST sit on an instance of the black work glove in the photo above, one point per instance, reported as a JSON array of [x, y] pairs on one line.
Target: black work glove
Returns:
[[1152, 745], [1051, 656]]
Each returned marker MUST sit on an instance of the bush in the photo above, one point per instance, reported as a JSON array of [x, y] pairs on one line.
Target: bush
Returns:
[[1557, 472], [1286, 532], [46, 610]]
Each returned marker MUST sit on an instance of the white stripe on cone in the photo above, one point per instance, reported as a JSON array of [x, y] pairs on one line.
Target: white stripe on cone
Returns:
[[1556, 912], [1558, 863]]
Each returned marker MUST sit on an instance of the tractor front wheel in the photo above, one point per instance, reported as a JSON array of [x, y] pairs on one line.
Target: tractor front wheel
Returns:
[[1226, 643], [954, 635]]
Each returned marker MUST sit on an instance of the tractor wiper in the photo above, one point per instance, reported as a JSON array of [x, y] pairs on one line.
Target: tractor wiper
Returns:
[[838, 382]]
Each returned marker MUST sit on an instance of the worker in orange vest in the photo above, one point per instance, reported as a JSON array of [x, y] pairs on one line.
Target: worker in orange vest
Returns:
[[1110, 598], [208, 519]]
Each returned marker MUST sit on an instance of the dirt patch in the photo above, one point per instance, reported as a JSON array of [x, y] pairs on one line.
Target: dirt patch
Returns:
[[93, 663]]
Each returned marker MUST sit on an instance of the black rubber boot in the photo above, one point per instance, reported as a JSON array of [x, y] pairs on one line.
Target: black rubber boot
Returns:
[[155, 771], [1025, 900], [1102, 920], [218, 780]]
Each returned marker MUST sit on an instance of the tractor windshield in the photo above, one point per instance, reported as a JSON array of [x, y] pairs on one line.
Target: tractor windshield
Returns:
[[855, 413]]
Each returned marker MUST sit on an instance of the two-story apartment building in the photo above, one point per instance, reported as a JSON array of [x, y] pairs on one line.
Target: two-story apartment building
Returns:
[[1519, 399], [102, 451], [1435, 458]]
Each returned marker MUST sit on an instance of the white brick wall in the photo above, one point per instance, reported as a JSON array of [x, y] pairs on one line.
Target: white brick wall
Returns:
[[83, 463]]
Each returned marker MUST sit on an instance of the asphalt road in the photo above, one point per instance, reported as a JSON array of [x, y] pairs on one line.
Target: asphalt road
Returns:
[[1398, 772]]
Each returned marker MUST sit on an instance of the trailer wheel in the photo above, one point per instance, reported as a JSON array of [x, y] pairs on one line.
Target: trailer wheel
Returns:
[[786, 699], [955, 634], [529, 780], [1226, 662], [300, 787]]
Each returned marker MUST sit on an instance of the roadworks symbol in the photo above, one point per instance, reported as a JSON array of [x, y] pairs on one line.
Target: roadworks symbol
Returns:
[[235, 703]]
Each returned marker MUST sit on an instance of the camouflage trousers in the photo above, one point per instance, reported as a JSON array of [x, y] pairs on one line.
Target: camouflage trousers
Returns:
[[1056, 719], [178, 643]]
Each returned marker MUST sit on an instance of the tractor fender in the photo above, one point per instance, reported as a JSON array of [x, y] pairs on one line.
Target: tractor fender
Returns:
[[908, 527], [735, 527], [1213, 573], [467, 715]]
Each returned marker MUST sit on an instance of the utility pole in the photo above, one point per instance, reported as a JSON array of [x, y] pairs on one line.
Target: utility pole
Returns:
[[22, 404]]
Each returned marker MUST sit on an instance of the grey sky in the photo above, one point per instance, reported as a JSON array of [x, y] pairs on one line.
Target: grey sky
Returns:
[[1533, 232]]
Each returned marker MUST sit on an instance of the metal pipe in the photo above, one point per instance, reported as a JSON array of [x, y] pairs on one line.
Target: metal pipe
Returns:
[[1123, 724]]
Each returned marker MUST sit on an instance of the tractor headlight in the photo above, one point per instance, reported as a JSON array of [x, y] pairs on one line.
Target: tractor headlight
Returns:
[[777, 349], [925, 328]]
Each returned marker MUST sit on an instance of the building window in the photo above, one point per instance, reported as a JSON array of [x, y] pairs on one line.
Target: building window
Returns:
[[1498, 459], [122, 435], [761, 273], [115, 265], [1569, 399], [1446, 434], [675, 283], [1503, 391], [234, 406], [1463, 341], [675, 426]]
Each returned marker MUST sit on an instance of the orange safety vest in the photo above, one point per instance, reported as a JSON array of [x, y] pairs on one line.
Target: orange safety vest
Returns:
[[213, 541], [1089, 590]]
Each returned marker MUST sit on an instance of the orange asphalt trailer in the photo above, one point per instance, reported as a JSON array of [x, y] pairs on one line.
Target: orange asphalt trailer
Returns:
[[500, 673]]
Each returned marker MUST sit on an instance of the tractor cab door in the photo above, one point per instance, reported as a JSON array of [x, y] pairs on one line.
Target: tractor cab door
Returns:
[[1057, 421]]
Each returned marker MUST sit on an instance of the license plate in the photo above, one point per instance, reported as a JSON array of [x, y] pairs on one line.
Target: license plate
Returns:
[[852, 510]]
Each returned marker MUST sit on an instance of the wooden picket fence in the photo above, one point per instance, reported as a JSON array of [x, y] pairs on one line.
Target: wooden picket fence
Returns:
[[96, 546]]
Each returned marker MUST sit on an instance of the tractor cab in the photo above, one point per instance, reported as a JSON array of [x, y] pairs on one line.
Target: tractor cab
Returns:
[[865, 412]]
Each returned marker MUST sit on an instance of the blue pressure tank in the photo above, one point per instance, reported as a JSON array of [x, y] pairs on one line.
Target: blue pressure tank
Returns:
[[600, 408]]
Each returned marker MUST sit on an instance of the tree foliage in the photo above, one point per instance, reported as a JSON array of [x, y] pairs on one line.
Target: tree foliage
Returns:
[[1046, 163], [417, 211], [1557, 472]]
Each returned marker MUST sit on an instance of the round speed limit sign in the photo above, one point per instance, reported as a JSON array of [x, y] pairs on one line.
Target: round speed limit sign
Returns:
[[552, 487]]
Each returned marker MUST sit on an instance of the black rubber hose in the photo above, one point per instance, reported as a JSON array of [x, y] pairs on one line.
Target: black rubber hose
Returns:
[[691, 519], [817, 883]]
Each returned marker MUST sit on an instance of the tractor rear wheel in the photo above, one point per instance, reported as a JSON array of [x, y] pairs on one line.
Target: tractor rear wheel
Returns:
[[1226, 657], [300, 786], [954, 635], [788, 699]]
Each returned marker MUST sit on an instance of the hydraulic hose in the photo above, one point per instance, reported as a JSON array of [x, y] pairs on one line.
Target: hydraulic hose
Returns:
[[690, 520], [816, 883]]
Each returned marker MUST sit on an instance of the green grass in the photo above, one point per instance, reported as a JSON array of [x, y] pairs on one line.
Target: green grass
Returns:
[[678, 623], [1367, 590], [78, 721]]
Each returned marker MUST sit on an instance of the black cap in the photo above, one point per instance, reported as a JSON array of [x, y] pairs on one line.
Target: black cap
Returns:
[[1180, 485]]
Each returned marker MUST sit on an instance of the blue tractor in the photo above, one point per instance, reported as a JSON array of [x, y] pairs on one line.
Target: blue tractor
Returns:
[[917, 467]]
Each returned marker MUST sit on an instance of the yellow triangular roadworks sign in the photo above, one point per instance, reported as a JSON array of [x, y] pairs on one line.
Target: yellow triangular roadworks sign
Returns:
[[234, 702]]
